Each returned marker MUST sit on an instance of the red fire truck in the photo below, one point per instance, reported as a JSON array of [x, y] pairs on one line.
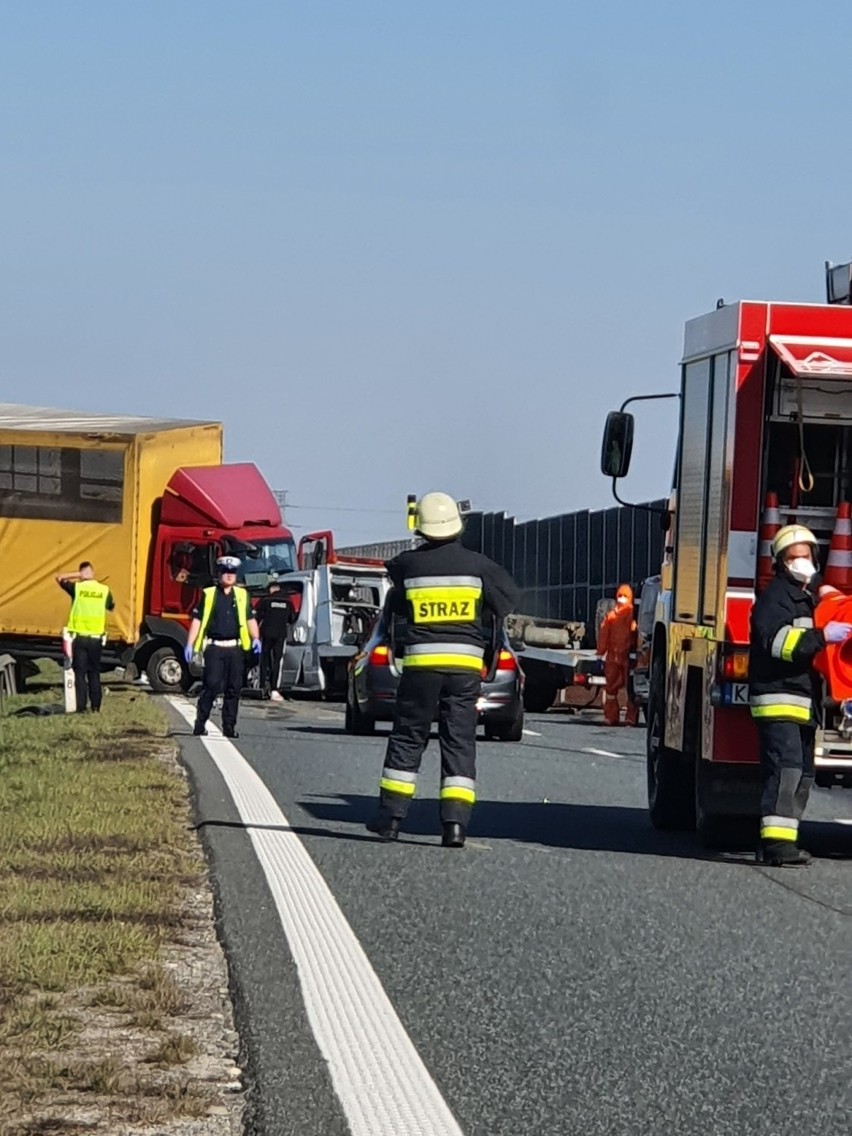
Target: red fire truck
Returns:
[[765, 417]]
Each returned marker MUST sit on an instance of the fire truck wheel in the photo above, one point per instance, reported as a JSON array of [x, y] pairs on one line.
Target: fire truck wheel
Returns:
[[671, 792]]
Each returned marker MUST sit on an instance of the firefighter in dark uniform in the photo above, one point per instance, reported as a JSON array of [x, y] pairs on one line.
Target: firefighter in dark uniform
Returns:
[[446, 593], [87, 625], [224, 627], [785, 691], [274, 616]]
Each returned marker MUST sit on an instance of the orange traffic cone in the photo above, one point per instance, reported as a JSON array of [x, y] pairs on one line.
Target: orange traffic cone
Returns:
[[769, 526], [838, 567]]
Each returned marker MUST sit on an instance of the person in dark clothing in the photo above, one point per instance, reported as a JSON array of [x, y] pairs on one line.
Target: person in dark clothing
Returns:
[[224, 626], [274, 617], [785, 692], [87, 625], [446, 593]]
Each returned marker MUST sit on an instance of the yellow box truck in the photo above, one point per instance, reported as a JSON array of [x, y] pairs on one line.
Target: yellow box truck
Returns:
[[149, 503]]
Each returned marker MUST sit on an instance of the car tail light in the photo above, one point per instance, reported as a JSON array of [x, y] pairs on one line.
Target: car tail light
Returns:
[[506, 661], [380, 657], [735, 666]]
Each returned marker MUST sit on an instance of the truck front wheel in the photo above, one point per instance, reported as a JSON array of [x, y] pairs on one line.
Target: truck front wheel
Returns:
[[165, 671]]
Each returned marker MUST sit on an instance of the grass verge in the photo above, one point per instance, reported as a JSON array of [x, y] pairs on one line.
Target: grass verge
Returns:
[[96, 857]]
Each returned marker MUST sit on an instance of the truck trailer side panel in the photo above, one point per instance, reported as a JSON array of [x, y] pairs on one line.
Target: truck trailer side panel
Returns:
[[75, 493]]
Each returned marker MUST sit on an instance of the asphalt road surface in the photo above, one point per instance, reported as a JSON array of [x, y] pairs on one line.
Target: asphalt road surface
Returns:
[[571, 971]]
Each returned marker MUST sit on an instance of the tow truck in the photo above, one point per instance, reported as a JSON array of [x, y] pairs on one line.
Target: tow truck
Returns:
[[765, 428], [335, 601]]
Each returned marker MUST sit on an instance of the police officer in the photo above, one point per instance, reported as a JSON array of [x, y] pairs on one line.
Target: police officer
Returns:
[[224, 626], [446, 593], [785, 691], [274, 616], [87, 624]]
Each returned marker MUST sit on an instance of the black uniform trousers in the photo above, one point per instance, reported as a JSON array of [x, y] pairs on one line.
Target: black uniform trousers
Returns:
[[786, 767], [421, 693], [224, 669], [86, 662], [270, 661]]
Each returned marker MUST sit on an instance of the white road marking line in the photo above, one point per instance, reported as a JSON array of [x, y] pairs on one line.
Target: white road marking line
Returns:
[[602, 752], [378, 1075], [532, 734]]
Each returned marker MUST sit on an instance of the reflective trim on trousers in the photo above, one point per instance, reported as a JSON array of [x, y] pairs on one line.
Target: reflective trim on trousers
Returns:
[[458, 789], [398, 781], [779, 828]]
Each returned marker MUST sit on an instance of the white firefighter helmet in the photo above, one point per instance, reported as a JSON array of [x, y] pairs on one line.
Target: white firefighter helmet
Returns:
[[438, 516], [789, 535]]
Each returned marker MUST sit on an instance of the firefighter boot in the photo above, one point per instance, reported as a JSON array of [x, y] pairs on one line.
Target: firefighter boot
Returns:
[[782, 854], [453, 835], [384, 826]]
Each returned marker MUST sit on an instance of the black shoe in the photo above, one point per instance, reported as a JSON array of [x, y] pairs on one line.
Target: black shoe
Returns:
[[199, 730], [231, 733], [454, 835], [782, 854], [386, 828]]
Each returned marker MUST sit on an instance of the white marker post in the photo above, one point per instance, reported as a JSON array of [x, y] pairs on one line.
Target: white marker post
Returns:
[[70, 686]]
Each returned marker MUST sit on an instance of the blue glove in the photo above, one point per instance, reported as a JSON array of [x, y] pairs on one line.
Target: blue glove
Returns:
[[188, 652], [837, 632], [255, 645]]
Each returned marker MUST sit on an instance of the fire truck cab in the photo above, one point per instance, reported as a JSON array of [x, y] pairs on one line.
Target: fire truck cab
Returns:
[[765, 418]]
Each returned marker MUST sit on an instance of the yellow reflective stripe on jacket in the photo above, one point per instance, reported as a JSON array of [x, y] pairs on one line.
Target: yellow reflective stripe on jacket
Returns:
[[443, 599], [458, 655], [782, 710], [88, 609], [785, 643], [241, 600]]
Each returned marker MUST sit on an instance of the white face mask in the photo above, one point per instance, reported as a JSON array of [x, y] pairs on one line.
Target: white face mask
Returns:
[[621, 600], [801, 569]]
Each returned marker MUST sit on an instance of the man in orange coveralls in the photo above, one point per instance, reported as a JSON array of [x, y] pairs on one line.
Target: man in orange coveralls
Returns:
[[616, 641]]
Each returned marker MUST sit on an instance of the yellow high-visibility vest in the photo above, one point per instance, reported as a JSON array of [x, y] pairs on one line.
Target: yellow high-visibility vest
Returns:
[[241, 598], [88, 610]]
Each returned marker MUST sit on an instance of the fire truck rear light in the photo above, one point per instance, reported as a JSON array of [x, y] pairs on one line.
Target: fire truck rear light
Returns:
[[380, 657], [735, 666]]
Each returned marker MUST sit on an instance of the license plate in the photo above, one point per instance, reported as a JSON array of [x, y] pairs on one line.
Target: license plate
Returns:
[[596, 680], [735, 694]]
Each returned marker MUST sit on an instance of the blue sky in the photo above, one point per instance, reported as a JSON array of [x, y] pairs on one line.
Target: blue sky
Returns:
[[396, 247]]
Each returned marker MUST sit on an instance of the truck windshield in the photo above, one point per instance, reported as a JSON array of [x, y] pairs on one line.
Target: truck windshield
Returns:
[[270, 560]]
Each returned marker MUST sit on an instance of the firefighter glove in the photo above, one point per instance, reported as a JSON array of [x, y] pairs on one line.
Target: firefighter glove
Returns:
[[188, 653], [835, 632], [255, 645]]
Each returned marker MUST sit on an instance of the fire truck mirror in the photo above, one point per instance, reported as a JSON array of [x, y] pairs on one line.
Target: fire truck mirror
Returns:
[[665, 521], [617, 444]]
